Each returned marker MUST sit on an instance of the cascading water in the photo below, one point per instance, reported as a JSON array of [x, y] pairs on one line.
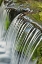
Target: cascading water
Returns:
[[19, 43], [9, 39], [21, 37], [3, 15]]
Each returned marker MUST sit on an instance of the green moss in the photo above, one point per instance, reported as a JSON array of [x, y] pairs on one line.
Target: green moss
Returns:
[[7, 23]]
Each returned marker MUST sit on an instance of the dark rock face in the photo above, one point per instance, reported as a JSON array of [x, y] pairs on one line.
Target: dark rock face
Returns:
[[13, 14]]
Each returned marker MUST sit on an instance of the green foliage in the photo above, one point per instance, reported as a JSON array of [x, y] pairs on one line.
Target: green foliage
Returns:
[[1, 2], [39, 4], [36, 16], [39, 60], [40, 14], [19, 1], [38, 52]]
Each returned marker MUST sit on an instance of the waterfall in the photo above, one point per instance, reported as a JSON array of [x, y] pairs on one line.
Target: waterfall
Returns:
[[10, 39], [20, 38], [25, 35], [3, 15]]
